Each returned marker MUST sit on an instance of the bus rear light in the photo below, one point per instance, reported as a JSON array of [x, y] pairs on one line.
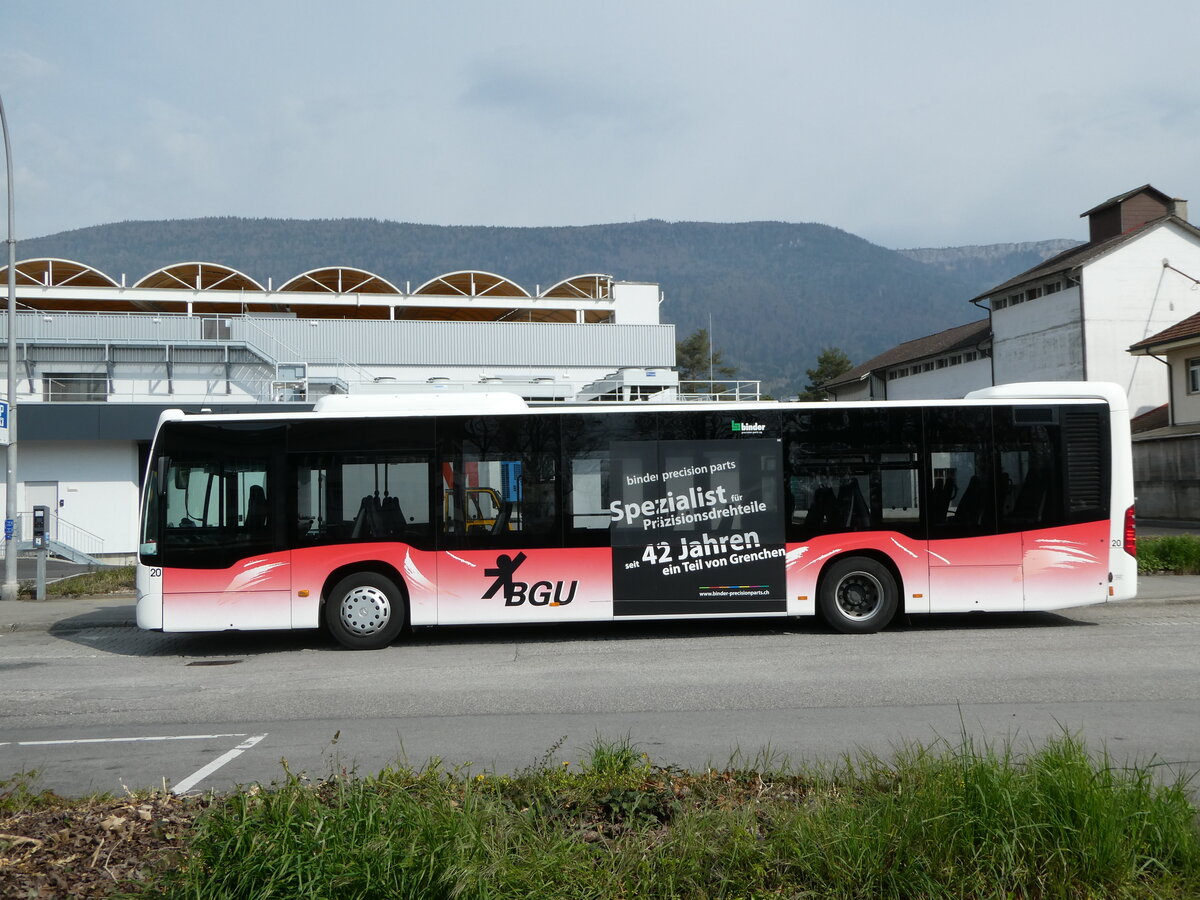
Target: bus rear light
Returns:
[[1130, 533]]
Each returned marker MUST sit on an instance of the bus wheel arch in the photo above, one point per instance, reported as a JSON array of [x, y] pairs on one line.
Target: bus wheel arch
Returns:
[[860, 592], [364, 605]]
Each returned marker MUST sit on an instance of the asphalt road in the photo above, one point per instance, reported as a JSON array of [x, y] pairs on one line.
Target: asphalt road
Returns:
[[108, 708]]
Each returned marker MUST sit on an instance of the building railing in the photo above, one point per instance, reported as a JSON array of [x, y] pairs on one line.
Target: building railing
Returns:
[[59, 529], [733, 390]]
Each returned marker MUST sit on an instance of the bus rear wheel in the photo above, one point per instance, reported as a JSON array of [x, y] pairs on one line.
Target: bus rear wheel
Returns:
[[365, 611], [858, 595]]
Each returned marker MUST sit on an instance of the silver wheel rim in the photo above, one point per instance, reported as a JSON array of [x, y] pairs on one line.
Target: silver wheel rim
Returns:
[[365, 610], [859, 595]]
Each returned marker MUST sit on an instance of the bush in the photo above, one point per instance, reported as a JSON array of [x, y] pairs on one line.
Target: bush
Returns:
[[1173, 554]]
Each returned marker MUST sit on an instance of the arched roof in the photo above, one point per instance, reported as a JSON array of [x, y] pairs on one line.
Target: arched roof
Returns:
[[472, 283], [593, 286], [199, 276], [53, 272], [341, 280]]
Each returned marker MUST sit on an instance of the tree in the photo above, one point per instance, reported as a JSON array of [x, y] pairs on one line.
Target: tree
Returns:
[[695, 359], [830, 364]]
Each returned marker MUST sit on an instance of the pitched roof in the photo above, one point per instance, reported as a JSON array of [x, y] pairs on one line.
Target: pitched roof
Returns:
[[957, 338], [1120, 198], [1159, 417], [1188, 328], [1085, 253]]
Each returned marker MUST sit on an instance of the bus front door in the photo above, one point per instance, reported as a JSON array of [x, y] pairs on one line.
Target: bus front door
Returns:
[[221, 527]]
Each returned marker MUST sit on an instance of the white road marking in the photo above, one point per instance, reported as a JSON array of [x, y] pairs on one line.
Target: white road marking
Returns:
[[200, 774], [121, 740]]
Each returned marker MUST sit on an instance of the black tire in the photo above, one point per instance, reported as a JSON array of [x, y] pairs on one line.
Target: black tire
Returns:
[[365, 611], [858, 595]]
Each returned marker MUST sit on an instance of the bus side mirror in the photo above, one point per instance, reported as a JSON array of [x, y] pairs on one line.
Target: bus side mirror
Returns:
[[181, 477]]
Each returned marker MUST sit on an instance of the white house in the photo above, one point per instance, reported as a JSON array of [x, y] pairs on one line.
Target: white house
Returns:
[[1070, 318], [1074, 316], [1166, 450]]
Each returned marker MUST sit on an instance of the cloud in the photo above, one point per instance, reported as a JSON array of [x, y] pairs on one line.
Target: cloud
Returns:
[[552, 97], [21, 67]]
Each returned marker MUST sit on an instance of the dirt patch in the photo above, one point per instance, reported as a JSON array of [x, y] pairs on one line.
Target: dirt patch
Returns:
[[93, 848]]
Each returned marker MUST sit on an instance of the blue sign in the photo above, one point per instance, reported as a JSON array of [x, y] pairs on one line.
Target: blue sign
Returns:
[[8, 529], [3, 413]]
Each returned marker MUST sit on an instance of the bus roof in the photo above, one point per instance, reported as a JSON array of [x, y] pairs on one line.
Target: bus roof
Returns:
[[507, 403]]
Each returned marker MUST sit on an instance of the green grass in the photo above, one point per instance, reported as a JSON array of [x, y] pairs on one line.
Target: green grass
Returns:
[[108, 580], [1174, 554], [940, 821], [20, 793]]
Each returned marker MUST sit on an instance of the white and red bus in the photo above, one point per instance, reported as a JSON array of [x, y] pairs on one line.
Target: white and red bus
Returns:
[[371, 514]]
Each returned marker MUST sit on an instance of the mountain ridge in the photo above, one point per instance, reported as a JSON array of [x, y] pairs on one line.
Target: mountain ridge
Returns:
[[775, 293]]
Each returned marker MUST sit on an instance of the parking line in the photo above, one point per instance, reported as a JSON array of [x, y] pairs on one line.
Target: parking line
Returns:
[[200, 774]]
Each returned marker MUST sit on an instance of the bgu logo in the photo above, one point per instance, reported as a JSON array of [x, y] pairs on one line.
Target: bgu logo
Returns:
[[540, 593]]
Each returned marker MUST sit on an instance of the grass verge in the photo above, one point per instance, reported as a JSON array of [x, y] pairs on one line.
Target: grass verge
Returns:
[[109, 580], [936, 821], [1172, 554]]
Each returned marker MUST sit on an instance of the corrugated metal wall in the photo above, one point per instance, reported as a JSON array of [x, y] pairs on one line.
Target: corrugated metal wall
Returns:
[[467, 343], [367, 342]]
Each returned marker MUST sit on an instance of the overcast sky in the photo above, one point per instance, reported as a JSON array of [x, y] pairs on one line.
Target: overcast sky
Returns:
[[927, 123]]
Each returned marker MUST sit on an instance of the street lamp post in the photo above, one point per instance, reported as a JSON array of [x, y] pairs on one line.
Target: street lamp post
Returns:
[[10, 587]]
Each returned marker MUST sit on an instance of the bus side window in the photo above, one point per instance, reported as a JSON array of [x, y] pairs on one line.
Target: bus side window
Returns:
[[500, 481], [587, 439], [361, 497], [1029, 458], [852, 470], [960, 471]]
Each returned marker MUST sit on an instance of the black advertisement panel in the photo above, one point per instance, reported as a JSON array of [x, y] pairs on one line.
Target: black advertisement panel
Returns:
[[697, 527]]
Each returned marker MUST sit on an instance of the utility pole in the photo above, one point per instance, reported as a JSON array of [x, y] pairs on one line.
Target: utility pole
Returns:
[[10, 587]]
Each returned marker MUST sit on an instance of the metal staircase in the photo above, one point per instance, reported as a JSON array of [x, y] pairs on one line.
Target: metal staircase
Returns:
[[64, 539]]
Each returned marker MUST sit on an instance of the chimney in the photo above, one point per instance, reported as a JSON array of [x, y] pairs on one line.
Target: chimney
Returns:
[[1179, 209]]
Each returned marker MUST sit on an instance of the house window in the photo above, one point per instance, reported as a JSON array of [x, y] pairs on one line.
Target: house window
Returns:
[[970, 356], [1053, 287], [74, 387], [1014, 299], [927, 367], [1000, 303], [1193, 376], [1033, 293]]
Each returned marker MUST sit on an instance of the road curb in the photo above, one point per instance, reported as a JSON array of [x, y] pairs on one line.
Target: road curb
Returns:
[[71, 614], [60, 628]]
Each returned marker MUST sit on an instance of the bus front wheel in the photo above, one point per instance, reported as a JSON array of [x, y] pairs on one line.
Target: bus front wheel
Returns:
[[858, 595], [365, 611]]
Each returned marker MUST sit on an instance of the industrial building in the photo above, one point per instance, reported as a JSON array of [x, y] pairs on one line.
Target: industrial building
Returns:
[[99, 358]]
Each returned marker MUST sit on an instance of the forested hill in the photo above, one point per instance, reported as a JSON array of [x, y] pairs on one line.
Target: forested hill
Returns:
[[776, 292]]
